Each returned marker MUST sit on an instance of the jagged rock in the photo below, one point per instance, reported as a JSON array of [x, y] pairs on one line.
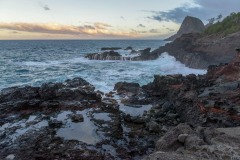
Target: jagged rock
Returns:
[[50, 96], [135, 119], [202, 143], [123, 87], [77, 118], [153, 127], [193, 141], [111, 55], [145, 51], [128, 48]]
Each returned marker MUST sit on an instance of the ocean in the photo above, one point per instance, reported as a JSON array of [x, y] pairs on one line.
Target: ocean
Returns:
[[39, 61]]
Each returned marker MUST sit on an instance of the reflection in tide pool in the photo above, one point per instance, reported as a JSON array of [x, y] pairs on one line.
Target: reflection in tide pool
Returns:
[[133, 110], [83, 131], [102, 116]]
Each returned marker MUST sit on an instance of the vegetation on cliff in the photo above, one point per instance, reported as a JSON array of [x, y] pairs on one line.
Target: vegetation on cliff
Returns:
[[230, 24]]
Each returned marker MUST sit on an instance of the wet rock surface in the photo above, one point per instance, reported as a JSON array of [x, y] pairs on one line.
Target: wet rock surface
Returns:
[[108, 55], [175, 116], [131, 55], [69, 121]]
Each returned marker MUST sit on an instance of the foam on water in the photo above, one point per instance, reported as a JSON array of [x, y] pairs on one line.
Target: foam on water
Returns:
[[36, 63]]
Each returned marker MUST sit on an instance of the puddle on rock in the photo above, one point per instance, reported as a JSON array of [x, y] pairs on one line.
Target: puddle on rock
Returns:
[[102, 116], [20, 128], [22, 131], [110, 149], [83, 131], [134, 111]]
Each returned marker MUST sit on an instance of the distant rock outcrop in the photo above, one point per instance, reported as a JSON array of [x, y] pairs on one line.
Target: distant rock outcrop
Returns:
[[189, 25]]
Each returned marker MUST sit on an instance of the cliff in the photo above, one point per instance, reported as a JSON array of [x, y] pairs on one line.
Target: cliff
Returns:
[[189, 25], [199, 50]]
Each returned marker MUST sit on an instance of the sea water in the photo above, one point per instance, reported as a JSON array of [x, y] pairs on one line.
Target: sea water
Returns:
[[37, 62]]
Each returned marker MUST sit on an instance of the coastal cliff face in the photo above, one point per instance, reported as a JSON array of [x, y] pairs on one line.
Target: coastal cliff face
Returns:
[[189, 25], [199, 51]]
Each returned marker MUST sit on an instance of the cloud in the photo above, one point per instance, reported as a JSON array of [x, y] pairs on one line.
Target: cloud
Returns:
[[141, 26], [99, 25], [203, 9], [175, 15], [123, 18], [14, 32], [154, 31], [97, 29], [46, 8], [171, 30]]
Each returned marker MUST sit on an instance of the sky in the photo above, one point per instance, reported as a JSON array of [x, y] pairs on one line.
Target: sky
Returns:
[[103, 19]]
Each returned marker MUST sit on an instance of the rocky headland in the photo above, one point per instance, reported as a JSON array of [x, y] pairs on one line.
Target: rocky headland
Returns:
[[199, 51], [173, 117], [194, 45]]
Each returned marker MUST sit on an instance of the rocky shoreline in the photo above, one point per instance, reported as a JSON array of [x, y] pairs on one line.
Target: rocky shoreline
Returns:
[[191, 46], [188, 117], [195, 50]]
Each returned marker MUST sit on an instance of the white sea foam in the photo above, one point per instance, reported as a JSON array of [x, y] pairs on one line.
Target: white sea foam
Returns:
[[102, 74], [169, 65]]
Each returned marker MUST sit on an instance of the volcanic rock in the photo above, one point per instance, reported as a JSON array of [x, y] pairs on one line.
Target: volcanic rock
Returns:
[[124, 87], [111, 55], [77, 118], [169, 142], [202, 143], [50, 96], [128, 48]]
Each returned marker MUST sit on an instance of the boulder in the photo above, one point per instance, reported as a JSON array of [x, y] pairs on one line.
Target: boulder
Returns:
[[124, 87], [169, 142], [77, 118], [182, 138]]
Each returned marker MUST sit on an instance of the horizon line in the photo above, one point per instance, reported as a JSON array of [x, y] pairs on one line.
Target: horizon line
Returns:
[[74, 39]]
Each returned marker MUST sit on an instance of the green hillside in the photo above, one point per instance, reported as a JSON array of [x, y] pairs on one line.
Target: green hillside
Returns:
[[230, 24]]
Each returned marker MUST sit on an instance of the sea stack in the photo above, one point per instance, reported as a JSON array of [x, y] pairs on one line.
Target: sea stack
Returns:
[[189, 25]]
